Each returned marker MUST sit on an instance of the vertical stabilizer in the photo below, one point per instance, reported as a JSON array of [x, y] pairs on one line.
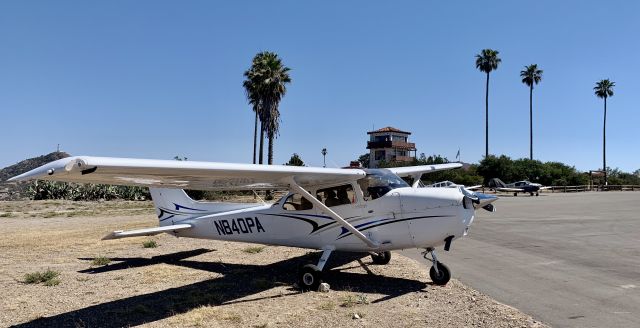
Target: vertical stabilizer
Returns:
[[496, 183]]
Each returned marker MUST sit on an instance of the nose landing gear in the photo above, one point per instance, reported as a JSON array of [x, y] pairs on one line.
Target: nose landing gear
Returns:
[[439, 273]]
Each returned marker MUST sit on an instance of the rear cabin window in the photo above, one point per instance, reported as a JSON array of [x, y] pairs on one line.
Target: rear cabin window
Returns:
[[334, 196], [295, 202]]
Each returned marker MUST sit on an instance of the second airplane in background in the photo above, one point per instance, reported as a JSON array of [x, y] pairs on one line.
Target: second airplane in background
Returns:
[[516, 187]]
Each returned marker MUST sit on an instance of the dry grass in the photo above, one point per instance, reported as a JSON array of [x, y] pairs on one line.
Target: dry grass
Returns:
[[353, 300], [47, 278], [100, 261], [149, 244], [207, 316], [253, 249]]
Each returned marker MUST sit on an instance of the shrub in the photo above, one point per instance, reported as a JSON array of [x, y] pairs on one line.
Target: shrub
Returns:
[[48, 278], [150, 244], [43, 189], [100, 261], [253, 249], [351, 300]]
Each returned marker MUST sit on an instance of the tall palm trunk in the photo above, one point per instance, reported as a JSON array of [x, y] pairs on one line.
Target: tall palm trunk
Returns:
[[604, 143], [261, 142], [270, 151], [255, 135], [486, 115], [531, 122]]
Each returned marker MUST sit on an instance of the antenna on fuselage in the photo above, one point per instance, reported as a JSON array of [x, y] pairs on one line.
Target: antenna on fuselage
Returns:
[[260, 198]]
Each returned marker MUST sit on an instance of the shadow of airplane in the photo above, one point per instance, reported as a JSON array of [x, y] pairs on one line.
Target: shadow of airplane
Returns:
[[238, 282]]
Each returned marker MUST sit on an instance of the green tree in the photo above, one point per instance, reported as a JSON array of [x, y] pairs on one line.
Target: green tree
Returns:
[[486, 61], [265, 85], [364, 160], [549, 173], [531, 75], [295, 160], [604, 90]]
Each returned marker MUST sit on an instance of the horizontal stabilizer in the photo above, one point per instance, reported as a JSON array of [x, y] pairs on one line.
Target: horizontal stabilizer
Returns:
[[146, 231]]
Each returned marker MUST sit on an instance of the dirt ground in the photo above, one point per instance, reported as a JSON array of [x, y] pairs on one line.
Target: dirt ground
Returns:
[[201, 283]]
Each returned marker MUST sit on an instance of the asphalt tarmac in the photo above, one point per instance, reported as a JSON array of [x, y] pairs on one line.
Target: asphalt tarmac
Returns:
[[569, 260]]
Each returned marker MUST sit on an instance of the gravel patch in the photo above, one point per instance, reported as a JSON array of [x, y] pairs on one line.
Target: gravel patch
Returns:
[[200, 283]]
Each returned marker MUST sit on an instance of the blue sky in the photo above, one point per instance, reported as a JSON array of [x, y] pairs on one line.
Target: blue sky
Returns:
[[155, 79]]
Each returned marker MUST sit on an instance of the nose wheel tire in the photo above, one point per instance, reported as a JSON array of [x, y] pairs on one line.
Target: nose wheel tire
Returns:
[[310, 277], [440, 277], [381, 258]]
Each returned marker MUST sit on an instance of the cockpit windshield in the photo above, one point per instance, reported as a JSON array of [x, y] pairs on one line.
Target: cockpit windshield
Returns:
[[378, 182]]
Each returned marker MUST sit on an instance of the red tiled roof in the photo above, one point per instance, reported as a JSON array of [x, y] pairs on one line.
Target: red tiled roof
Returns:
[[388, 129]]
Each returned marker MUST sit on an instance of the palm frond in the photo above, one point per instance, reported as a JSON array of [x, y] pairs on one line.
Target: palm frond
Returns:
[[531, 75], [604, 88], [487, 60]]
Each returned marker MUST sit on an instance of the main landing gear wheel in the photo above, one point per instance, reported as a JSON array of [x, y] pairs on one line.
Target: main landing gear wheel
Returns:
[[310, 277], [439, 273], [381, 258]]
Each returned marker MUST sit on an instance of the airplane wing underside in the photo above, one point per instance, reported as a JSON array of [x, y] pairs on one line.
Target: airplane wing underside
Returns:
[[510, 189], [184, 174]]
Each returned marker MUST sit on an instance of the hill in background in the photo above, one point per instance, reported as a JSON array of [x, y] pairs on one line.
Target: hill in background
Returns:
[[13, 191]]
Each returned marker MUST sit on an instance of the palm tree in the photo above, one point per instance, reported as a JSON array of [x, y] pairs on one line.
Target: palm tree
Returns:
[[486, 61], [251, 89], [265, 86], [604, 89], [273, 88], [531, 75]]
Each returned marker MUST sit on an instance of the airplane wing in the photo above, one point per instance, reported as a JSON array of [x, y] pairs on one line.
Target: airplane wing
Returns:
[[416, 172], [184, 174], [473, 187], [510, 189], [422, 169]]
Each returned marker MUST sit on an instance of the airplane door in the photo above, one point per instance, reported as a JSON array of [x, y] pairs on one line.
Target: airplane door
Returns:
[[413, 226], [389, 229]]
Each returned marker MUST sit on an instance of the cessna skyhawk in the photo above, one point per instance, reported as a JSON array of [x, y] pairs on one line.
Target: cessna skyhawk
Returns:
[[361, 210], [450, 184]]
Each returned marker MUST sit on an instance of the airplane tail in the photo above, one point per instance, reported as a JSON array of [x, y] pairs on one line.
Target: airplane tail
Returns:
[[174, 206], [496, 183]]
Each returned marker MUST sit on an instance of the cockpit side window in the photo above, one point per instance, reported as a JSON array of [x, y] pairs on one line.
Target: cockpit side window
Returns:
[[295, 202], [377, 183]]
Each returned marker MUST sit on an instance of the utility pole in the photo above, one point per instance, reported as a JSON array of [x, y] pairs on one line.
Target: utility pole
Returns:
[[324, 157]]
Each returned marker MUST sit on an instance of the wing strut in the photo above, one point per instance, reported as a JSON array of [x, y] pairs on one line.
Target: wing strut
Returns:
[[294, 185]]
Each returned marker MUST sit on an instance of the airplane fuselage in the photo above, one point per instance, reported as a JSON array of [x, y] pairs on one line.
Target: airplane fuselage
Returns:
[[402, 218]]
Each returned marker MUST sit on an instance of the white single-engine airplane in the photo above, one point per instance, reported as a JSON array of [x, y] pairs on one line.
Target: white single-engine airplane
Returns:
[[451, 184], [361, 210]]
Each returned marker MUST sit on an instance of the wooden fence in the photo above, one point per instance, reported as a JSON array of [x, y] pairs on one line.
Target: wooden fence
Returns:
[[582, 188]]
